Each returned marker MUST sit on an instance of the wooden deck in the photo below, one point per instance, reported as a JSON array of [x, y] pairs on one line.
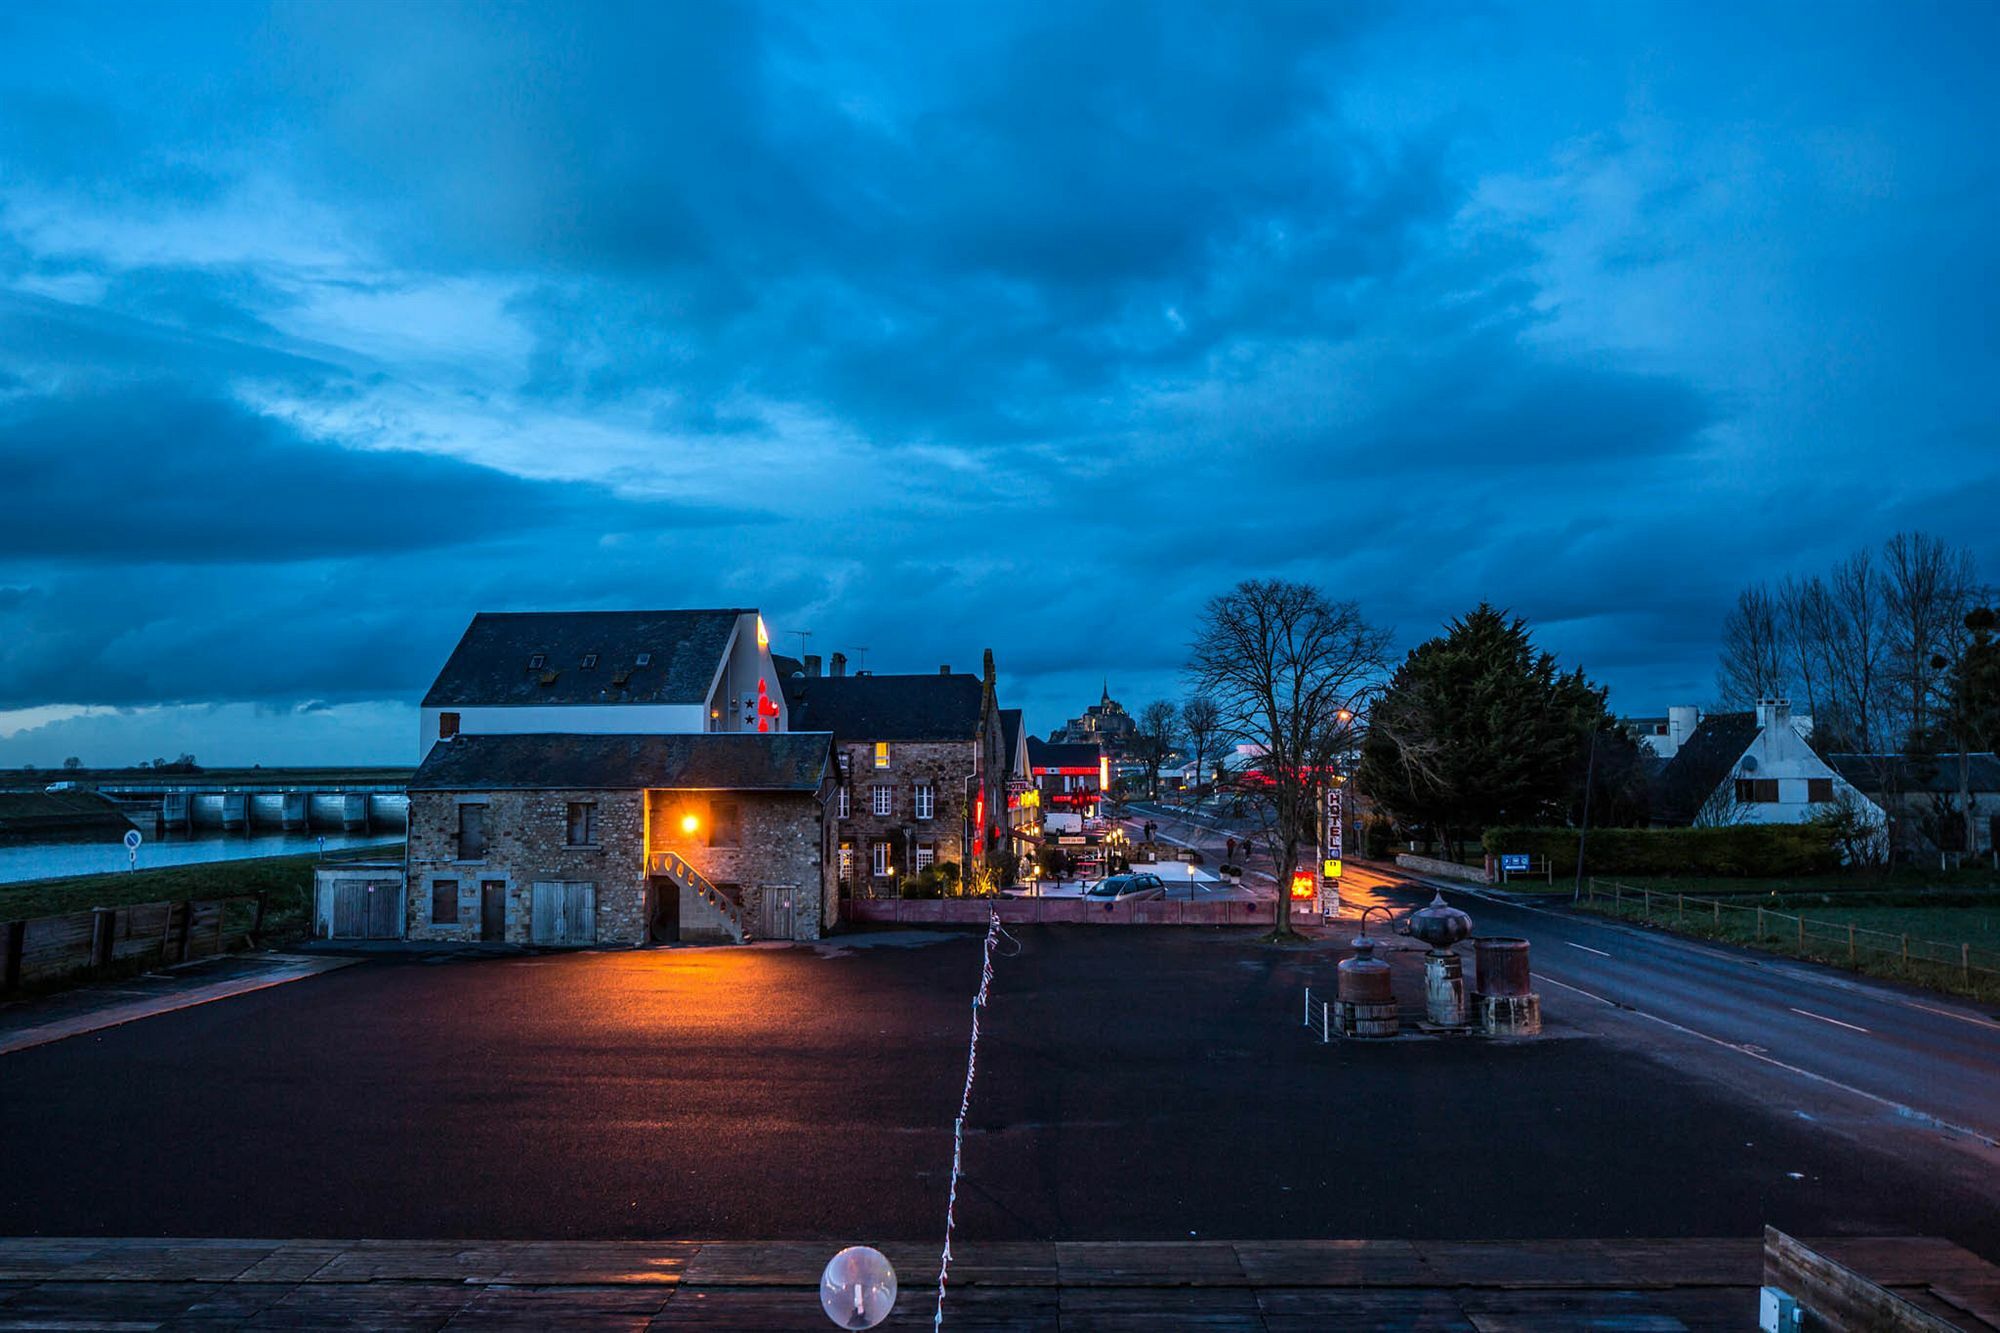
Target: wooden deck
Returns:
[[1474, 1287]]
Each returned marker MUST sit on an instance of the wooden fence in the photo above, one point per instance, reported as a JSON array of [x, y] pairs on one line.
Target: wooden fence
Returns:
[[45, 947], [1048, 911], [1959, 964]]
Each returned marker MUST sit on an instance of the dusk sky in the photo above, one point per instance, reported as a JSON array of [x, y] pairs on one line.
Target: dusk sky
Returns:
[[937, 327]]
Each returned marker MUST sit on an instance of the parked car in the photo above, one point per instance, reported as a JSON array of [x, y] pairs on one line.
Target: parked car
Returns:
[[55, 787], [1126, 888]]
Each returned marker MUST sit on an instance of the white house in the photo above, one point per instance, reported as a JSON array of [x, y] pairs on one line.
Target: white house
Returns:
[[606, 673], [1753, 768]]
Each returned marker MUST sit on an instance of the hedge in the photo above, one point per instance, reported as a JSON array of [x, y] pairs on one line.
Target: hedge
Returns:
[[1741, 849]]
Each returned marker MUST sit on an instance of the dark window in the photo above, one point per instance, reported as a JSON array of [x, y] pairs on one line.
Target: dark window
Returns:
[[1819, 790], [447, 726], [1757, 791], [589, 661], [583, 823], [444, 902], [723, 824], [537, 662], [471, 832]]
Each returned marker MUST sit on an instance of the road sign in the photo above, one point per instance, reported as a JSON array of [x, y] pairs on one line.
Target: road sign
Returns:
[[1513, 861], [132, 840]]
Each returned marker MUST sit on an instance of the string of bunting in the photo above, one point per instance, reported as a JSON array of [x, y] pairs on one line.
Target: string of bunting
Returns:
[[994, 934]]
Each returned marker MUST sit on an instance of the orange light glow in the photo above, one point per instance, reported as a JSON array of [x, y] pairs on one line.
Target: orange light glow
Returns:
[[689, 823]]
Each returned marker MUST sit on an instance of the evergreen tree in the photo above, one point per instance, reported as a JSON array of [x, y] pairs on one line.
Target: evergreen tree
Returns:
[[1975, 686], [1478, 729]]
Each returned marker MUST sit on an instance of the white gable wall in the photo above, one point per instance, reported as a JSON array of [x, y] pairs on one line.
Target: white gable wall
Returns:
[[1781, 754]]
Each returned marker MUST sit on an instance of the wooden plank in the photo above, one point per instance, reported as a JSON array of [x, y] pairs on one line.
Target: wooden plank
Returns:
[[1331, 1263], [1153, 1263], [1896, 1261], [1980, 1300], [551, 1307], [1382, 1310], [1839, 1296]]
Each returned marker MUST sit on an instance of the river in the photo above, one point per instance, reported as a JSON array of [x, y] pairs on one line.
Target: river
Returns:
[[49, 860]]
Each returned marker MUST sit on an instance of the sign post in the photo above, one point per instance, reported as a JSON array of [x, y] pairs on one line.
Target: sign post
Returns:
[[132, 841], [1513, 863], [1332, 850]]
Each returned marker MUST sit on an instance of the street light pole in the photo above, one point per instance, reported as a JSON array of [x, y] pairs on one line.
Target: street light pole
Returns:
[[1583, 834]]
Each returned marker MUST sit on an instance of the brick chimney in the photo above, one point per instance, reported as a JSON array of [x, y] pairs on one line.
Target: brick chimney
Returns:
[[837, 665], [989, 668], [812, 664]]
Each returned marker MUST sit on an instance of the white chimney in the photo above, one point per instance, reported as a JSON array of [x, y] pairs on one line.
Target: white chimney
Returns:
[[1682, 719], [1774, 714]]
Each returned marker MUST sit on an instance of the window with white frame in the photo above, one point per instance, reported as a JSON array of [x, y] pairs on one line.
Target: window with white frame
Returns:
[[881, 754], [879, 857], [882, 799], [847, 860], [926, 854], [926, 801], [843, 803]]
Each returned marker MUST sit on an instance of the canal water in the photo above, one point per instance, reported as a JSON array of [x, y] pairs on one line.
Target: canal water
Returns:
[[49, 860]]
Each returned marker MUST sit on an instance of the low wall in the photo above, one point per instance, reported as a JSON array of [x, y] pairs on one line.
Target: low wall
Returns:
[[45, 947], [1052, 911], [1425, 865]]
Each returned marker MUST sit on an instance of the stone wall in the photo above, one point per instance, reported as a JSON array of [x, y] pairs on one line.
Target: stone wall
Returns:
[[942, 764], [781, 841], [527, 835]]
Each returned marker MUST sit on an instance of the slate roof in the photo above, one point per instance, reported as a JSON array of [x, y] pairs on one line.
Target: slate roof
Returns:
[[1704, 760], [490, 665], [1060, 754], [711, 761], [888, 708], [1010, 731], [1874, 773]]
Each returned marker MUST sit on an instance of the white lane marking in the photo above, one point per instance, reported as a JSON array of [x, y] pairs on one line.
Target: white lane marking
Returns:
[[1952, 1013], [1824, 1019], [1586, 948], [1757, 1053]]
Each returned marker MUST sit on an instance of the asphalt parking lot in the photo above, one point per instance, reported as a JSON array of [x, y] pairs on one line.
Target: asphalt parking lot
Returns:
[[1134, 1083]]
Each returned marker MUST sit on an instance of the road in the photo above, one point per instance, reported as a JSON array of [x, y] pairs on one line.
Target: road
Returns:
[[1905, 1052], [1928, 1054]]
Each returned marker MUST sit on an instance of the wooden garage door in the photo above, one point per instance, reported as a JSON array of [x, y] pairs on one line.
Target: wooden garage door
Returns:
[[563, 912], [367, 911]]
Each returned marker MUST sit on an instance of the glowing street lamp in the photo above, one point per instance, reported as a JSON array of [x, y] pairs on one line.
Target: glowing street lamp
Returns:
[[690, 823]]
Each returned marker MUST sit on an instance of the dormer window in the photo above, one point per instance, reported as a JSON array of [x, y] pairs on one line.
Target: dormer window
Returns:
[[589, 661], [537, 661], [643, 659]]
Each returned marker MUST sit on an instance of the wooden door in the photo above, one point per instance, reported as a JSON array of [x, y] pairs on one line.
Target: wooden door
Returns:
[[350, 910], [493, 910], [775, 914], [562, 912], [385, 912]]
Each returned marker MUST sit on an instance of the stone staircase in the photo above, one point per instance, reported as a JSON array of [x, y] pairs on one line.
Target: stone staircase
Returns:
[[726, 905]]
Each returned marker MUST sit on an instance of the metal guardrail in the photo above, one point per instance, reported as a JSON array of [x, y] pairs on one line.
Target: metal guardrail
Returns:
[[1796, 933]]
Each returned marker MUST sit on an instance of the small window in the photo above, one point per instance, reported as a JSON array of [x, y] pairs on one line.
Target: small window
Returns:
[[926, 853], [589, 661], [882, 800], [926, 801], [447, 726], [444, 902], [537, 661], [471, 832], [843, 803], [1757, 791], [583, 823], [1819, 791], [847, 860], [879, 858], [881, 754], [643, 659], [842, 760], [723, 824]]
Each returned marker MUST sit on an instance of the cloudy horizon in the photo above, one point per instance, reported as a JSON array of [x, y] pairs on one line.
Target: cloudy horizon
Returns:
[[934, 329]]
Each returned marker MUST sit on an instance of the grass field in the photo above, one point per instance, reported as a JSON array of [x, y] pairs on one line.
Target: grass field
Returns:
[[286, 879], [1944, 938]]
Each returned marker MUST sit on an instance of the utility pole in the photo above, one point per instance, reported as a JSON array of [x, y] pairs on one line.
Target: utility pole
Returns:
[[1583, 834]]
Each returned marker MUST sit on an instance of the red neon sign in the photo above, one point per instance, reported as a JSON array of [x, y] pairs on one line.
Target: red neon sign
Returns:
[[1302, 885]]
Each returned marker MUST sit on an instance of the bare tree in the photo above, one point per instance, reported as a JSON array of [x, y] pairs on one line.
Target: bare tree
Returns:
[[1928, 587], [1853, 648], [1805, 620], [1287, 668], [1753, 665], [1201, 719], [1159, 727]]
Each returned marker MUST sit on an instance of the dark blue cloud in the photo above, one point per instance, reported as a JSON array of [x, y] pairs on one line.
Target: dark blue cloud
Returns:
[[931, 327]]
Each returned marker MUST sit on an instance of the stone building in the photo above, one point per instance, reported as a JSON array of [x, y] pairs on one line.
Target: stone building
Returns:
[[561, 838], [921, 770], [1104, 724]]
